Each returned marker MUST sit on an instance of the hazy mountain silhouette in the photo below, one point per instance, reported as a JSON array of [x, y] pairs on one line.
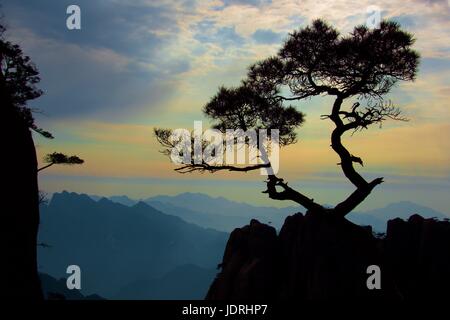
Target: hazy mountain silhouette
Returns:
[[191, 208], [219, 205], [123, 200], [217, 213], [211, 220], [378, 218], [187, 282], [115, 245]]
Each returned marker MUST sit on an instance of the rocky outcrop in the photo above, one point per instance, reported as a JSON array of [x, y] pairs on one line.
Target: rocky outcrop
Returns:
[[249, 263], [20, 216], [319, 256], [418, 256]]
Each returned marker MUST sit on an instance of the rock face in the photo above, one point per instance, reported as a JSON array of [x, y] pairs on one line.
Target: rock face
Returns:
[[418, 252], [249, 263], [20, 218], [318, 256]]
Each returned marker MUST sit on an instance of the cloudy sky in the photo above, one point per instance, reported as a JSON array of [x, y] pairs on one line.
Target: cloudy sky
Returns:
[[138, 64]]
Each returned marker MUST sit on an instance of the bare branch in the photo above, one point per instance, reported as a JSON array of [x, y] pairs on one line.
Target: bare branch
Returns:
[[164, 138], [191, 167], [347, 159], [289, 194], [358, 196], [372, 113]]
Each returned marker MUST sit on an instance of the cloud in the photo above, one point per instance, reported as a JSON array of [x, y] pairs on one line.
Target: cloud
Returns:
[[113, 67], [129, 28], [164, 46], [226, 36], [86, 81], [427, 20]]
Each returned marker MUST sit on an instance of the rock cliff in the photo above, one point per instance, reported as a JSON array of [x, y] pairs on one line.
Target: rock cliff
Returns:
[[318, 256]]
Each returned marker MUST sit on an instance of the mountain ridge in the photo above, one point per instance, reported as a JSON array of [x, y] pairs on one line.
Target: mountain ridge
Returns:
[[377, 218], [114, 244]]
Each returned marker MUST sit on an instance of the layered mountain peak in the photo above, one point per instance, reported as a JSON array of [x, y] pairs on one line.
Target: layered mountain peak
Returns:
[[65, 198]]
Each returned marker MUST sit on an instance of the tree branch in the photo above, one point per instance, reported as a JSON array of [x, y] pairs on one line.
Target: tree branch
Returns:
[[303, 96], [373, 113], [289, 194], [358, 196], [45, 167], [191, 167], [363, 188], [322, 88], [346, 158]]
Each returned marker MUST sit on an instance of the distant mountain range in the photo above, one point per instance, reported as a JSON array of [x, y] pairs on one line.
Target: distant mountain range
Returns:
[[163, 247], [378, 218], [225, 215], [217, 213], [116, 245], [184, 281]]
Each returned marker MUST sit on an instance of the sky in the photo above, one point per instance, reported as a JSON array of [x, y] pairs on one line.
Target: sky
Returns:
[[140, 64]]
